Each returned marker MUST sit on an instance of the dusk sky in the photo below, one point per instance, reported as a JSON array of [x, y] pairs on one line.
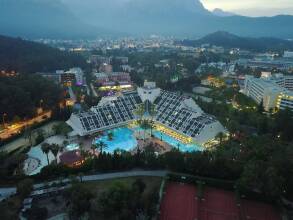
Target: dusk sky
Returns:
[[252, 7]]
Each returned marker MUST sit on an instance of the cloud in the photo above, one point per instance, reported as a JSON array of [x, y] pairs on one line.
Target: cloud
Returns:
[[252, 7]]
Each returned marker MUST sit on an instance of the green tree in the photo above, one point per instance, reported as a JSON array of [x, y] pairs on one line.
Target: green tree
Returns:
[[80, 197], [40, 136], [46, 149], [24, 188], [110, 136], [102, 146], [55, 148]]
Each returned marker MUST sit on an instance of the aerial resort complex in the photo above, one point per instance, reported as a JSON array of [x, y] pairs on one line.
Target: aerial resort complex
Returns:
[[150, 112]]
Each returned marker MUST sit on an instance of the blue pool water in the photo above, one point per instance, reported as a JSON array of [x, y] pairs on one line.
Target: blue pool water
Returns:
[[175, 143], [123, 139], [72, 147]]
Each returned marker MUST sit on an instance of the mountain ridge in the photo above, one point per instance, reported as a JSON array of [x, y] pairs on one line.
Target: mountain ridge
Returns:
[[42, 19], [228, 40], [93, 18]]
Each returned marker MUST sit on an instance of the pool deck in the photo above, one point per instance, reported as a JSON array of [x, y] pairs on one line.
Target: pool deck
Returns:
[[159, 146]]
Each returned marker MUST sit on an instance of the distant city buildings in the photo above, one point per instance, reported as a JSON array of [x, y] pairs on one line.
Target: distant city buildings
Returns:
[[274, 91], [106, 68], [67, 78], [288, 54], [226, 68], [78, 73], [269, 62], [113, 79]]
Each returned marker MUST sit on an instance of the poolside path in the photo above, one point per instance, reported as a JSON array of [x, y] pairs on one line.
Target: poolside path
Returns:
[[7, 192]]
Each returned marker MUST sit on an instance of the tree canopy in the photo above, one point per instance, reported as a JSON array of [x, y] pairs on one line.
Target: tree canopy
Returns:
[[30, 57]]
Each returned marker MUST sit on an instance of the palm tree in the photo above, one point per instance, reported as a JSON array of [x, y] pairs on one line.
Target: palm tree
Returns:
[[46, 149], [28, 134], [101, 146], [55, 150], [110, 136], [94, 147], [152, 126], [65, 143], [145, 125], [220, 137], [152, 114], [139, 111]]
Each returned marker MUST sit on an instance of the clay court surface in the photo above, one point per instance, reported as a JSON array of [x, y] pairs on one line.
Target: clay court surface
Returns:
[[180, 203]]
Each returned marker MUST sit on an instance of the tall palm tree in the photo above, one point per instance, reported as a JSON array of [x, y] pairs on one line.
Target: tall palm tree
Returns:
[[28, 134], [139, 111], [55, 150], [110, 136], [94, 147], [152, 114], [46, 149], [145, 124], [220, 137], [101, 146]]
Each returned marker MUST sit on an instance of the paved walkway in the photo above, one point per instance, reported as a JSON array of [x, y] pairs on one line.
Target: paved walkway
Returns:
[[6, 192]]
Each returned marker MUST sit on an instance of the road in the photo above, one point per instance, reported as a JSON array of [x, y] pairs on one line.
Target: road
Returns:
[[6, 192], [17, 127], [23, 142]]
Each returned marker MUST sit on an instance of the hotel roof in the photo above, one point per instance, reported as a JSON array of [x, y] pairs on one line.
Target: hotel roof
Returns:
[[177, 112]]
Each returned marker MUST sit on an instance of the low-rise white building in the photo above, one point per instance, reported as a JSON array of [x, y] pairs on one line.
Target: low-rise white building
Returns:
[[173, 113], [78, 73]]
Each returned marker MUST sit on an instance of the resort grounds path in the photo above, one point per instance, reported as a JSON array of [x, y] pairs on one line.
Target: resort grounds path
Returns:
[[7, 192]]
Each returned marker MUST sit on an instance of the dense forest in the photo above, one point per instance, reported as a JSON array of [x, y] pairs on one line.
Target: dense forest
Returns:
[[21, 95], [29, 57]]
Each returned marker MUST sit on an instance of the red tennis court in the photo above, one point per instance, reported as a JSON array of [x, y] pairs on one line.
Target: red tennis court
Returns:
[[179, 202], [218, 205], [258, 211]]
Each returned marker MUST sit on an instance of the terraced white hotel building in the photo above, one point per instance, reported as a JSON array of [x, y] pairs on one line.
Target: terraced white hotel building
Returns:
[[175, 115], [275, 91]]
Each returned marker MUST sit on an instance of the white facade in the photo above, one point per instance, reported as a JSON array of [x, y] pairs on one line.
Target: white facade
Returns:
[[288, 54], [78, 73], [273, 91], [149, 92], [178, 113]]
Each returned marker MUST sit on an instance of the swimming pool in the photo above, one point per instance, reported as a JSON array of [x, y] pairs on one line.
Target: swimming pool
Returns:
[[123, 139], [72, 147], [175, 143], [172, 141]]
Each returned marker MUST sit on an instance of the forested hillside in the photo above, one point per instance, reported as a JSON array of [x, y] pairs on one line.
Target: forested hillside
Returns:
[[22, 95], [29, 57]]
